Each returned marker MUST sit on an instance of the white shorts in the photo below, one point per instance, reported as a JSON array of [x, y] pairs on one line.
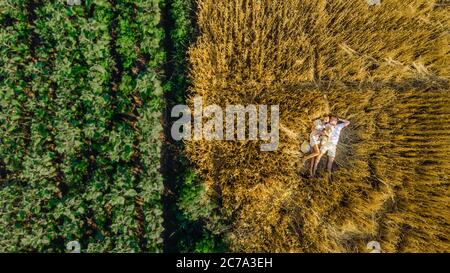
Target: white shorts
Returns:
[[329, 148], [313, 140]]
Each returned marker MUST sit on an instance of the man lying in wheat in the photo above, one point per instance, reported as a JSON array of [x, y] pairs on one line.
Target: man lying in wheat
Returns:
[[329, 147]]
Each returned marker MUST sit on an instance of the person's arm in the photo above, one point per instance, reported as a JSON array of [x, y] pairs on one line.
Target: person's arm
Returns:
[[346, 122]]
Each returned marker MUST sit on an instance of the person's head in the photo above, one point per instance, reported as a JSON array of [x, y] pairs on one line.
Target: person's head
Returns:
[[326, 119], [333, 120]]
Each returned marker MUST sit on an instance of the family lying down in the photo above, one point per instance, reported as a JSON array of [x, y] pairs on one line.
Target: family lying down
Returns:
[[323, 139]]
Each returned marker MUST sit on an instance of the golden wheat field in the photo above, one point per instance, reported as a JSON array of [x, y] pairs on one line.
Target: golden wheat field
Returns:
[[385, 68]]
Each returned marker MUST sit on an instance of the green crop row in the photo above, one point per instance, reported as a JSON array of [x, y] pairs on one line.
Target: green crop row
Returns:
[[80, 126]]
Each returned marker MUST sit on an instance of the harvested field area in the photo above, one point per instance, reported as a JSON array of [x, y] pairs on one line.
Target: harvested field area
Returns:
[[385, 68]]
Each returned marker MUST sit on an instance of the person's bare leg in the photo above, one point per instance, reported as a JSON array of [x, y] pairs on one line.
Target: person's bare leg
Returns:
[[330, 168], [316, 152], [316, 163], [311, 166], [330, 164]]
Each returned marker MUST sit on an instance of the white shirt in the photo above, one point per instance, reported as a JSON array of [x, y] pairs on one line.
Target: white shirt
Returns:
[[334, 137]]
